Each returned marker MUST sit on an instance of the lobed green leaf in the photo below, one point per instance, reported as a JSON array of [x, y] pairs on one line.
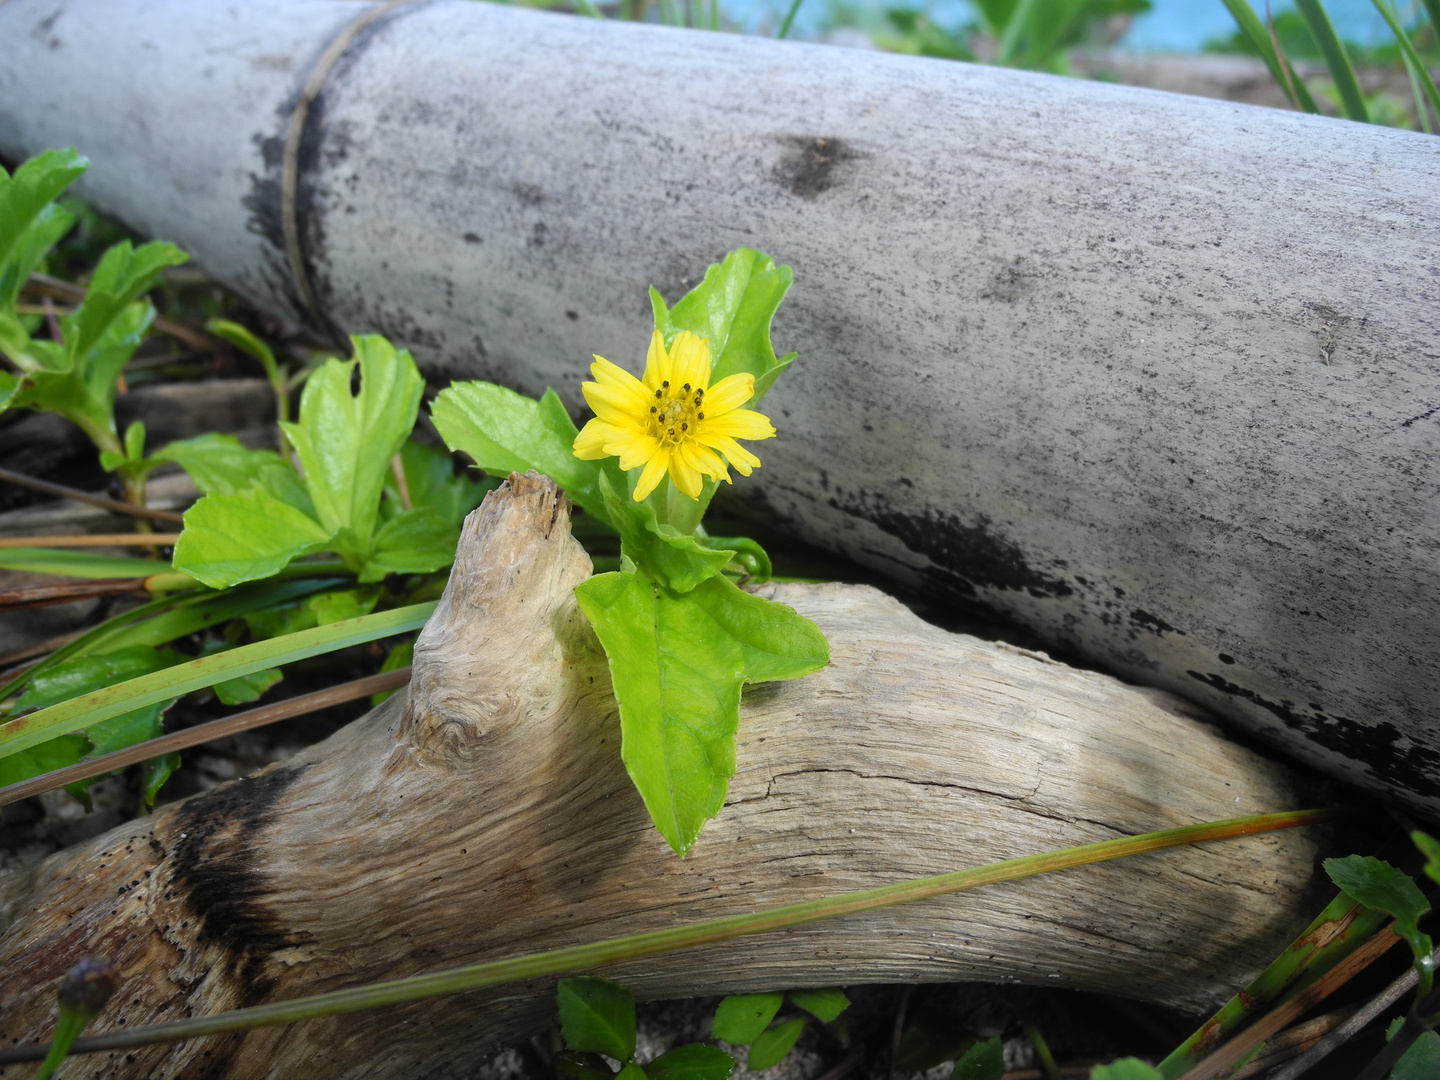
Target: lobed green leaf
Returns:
[[597, 1016], [1124, 1069], [505, 432], [219, 463], [1382, 887], [412, 542], [674, 559], [430, 477], [25, 196], [229, 539], [824, 1005]]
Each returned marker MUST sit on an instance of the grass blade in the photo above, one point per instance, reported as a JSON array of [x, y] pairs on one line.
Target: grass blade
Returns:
[[1336, 59], [789, 18], [593, 955], [1407, 48], [1251, 26], [80, 712], [1337, 932], [80, 564]]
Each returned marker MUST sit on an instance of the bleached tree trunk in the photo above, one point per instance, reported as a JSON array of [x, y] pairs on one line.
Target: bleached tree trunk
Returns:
[[489, 815], [1154, 375]]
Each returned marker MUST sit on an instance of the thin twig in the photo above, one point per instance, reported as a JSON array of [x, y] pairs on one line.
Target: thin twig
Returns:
[[92, 540], [46, 286], [398, 468], [203, 733], [1291, 1010], [113, 505], [29, 596], [41, 649], [1351, 1027]]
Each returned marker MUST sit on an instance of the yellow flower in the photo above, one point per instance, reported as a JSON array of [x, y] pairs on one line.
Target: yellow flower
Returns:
[[673, 421]]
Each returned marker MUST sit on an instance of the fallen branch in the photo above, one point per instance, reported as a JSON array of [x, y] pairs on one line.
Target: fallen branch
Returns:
[[488, 815]]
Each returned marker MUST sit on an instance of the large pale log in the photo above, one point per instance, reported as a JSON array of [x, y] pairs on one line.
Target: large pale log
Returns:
[[488, 814], [1154, 375]]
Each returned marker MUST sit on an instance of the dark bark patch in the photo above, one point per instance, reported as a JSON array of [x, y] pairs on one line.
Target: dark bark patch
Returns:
[[218, 871], [810, 164]]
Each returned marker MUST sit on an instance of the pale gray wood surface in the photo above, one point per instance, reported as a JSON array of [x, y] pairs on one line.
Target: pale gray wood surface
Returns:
[[1152, 374], [490, 815]]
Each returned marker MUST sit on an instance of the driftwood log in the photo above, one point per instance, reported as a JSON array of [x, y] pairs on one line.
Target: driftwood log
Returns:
[[488, 814], [1154, 375]]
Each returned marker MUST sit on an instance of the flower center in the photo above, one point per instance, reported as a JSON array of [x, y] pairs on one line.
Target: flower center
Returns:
[[675, 412]]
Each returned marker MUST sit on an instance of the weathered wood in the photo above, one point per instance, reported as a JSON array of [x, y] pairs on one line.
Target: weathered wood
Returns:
[[489, 814], [1152, 374]]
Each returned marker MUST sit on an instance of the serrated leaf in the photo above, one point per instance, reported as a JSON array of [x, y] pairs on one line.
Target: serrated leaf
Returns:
[[677, 663], [733, 308], [741, 1018], [773, 1044], [824, 1005], [598, 1016], [505, 432], [1124, 1069], [219, 463], [430, 476], [1382, 887], [412, 542], [25, 195], [44, 232], [233, 538], [697, 1061], [123, 274], [345, 440], [678, 561]]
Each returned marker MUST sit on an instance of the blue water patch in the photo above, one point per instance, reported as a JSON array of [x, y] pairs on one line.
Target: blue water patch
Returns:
[[1173, 26]]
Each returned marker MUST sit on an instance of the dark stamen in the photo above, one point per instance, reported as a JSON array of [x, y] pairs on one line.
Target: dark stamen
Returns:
[[653, 409], [657, 393], [686, 388], [700, 416], [684, 427], [666, 384], [672, 432]]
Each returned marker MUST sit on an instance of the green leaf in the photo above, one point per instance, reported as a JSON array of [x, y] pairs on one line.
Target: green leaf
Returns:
[[674, 559], [345, 441], [9, 384], [124, 273], [247, 687], [412, 542], [733, 308], [574, 1065], [154, 772], [741, 1018], [233, 538], [1382, 887], [219, 463], [987, 1062], [824, 1005], [677, 663], [772, 1045], [1421, 1061], [44, 232], [750, 556], [247, 343], [1336, 59], [598, 1016], [923, 1046], [1124, 1069], [43, 758], [1430, 848], [1250, 25], [631, 1071], [430, 476], [698, 1061], [25, 196], [70, 562], [89, 709], [505, 432]]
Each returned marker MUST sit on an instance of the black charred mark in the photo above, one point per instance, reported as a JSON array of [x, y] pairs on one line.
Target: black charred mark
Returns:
[[1423, 416], [573, 316], [1383, 748], [1153, 623], [1225, 658], [963, 557], [219, 873], [471, 238], [810, 165], [538, 234]]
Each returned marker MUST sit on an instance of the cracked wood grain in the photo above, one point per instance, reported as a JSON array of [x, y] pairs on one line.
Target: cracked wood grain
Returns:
[[488, 814]]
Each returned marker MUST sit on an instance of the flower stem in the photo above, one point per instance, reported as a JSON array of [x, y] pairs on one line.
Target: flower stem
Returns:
[[595, 954]]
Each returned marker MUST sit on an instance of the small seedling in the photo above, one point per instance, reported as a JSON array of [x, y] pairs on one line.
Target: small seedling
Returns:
[[597, 1021], [746, 1019]]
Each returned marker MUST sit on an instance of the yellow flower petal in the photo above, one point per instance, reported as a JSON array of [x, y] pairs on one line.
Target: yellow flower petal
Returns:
[[729, 393], [615, 406], [655, 470], [702, 459], [689, 361], [633, 450], [657, 362], [739, 424], [590, 443], [617, 379], [744, 461], [687, 478]]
